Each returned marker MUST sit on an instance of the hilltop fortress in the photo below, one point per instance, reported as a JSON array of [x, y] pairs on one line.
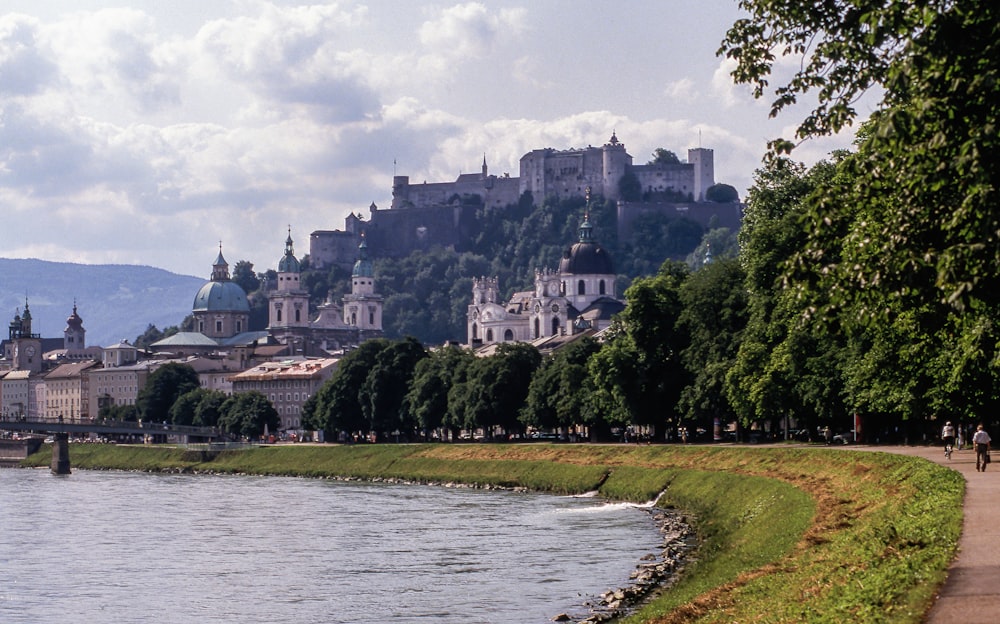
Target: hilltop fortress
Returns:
[[443, 213]]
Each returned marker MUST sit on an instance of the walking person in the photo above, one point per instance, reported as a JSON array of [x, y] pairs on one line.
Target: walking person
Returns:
[[981, 442], [948, 437]]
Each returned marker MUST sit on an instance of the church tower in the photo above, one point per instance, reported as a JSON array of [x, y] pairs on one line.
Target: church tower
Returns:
[[27, 347], [74, 334], [288, 312], [363, 307]]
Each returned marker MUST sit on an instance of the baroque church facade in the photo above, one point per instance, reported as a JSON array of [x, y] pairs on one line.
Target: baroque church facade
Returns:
[[221, 313], [579, 296]]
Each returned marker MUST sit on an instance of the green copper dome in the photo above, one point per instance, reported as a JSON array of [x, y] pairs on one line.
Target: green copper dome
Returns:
[[221, 297], [221, 294], [363, 267], [288, 262]]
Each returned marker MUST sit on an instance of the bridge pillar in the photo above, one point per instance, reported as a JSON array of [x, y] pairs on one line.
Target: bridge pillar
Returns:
[[60, 454]]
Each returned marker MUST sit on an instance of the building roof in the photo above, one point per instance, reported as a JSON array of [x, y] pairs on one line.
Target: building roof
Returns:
[[586, 257], [288, 262], [221, 296], [288, 369], [72, 369]]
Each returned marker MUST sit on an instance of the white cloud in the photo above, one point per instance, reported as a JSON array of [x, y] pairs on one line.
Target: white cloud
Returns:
[[682, 89], [469, 30]]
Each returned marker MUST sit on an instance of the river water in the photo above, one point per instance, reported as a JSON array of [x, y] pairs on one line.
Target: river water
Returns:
[[134, 547]]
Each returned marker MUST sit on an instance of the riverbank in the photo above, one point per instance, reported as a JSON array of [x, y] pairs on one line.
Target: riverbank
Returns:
[[799, 534]]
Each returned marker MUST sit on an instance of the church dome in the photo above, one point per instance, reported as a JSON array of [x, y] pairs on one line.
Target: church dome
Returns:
[[586, 257], [288, 262], [221, 294], [73, 321], [221, 297], [363, 267]]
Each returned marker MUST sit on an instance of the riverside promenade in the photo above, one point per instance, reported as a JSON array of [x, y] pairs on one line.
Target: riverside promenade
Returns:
[[971, 594]]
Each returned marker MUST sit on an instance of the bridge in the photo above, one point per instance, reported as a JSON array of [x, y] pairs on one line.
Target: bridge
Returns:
[[60, 432]]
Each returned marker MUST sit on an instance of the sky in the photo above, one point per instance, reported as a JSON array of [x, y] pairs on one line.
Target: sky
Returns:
[[150, 132]]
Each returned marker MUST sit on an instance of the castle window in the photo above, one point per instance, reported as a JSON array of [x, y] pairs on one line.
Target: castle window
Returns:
[[581, 288], [508, 336], [489, 335], [298, 316], [475, 331], [239, 326], [218, 326], [536, 328], [555, 326], [601, 287], [278, 313]]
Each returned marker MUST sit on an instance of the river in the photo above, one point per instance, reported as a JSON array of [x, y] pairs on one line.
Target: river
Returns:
[[134, 547]]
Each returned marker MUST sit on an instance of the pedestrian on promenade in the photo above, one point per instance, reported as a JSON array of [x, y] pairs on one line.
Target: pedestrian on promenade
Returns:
[[981, 442], [948, 437]]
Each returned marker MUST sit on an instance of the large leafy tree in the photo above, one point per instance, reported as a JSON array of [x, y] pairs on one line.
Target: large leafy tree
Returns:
[[248, 414], [910, 239], [559, 392], [163, 387], [495, 389], [638, 375], [337, 405], [433, 379], [384, 390], [714, 316]]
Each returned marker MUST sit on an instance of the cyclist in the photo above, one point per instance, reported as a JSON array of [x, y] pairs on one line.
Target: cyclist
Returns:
[[948, 436]]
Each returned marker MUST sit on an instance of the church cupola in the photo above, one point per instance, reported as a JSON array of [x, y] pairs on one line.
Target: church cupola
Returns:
[[73, 335]]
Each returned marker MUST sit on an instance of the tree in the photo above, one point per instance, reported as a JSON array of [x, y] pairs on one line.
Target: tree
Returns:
[[338, 404], [629, 187], [664, 157], [148, 337], [559, 392], [637, 375], [495, 389], [383, 392], [722, 194], [247, 414], [199, 407], [244, 276], [714, 315], [163, 387], [433, 379]]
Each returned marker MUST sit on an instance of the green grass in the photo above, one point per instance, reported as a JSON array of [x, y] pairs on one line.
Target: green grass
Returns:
[[785, 534]]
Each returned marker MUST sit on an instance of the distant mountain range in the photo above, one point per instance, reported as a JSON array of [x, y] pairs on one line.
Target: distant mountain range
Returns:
[[115, 301]]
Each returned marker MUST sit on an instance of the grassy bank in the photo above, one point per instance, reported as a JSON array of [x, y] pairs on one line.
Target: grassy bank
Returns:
[[787, 535]]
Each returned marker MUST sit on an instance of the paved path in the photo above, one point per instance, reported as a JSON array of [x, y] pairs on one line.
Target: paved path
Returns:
[[971, 594]]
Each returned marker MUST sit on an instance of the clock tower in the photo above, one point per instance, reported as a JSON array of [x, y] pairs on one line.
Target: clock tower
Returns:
[[27, 349]]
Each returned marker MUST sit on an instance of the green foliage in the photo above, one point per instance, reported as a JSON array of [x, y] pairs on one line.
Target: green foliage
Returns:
[[163, 387], [244, 276], [722, 193], [338, 404], [559, 392], [714, 316], [199, 407], [664, 157], [629, 187], [494, 389], [433, 378], [638, 375], [247, 414], [384, 390]]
